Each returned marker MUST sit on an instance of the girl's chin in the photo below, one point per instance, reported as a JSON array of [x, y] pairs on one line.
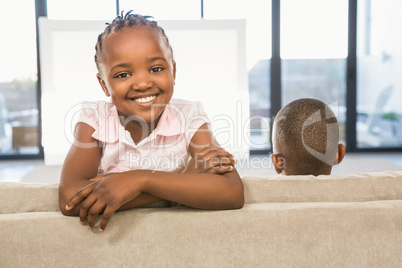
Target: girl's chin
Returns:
[[143, 117]]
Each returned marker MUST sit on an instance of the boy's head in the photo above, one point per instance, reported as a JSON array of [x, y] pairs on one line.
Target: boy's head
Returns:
[[305, 139]]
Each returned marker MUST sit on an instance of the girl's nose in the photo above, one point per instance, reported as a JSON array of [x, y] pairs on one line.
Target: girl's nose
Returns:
[[141, 82]]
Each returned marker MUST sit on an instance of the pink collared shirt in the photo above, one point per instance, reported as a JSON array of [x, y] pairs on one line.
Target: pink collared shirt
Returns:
[[165, 149]]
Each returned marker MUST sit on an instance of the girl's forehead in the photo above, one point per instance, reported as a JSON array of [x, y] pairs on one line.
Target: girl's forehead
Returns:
[[137, 39], [133, 33], [136, 34]]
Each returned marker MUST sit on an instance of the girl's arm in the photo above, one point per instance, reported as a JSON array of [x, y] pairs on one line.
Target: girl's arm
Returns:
[[205, 191], [80, 166], [209, 160]]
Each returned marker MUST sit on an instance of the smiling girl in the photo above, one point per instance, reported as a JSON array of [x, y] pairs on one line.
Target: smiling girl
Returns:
[[143, 146]]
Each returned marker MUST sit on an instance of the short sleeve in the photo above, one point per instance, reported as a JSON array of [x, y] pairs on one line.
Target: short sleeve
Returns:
[[89, 114], [195, 117]]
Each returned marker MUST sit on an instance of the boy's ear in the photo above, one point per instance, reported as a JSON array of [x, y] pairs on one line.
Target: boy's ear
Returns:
[[340, 154], [103, 85], [278, 162]]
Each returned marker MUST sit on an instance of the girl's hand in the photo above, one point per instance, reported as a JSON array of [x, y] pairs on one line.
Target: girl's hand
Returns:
[[211, 160], [106, 193]]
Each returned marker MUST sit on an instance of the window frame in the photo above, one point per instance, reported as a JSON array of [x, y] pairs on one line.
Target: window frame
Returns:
[[275, 75], [40, 10]]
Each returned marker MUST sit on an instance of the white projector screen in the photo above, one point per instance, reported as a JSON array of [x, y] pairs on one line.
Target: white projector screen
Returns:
[[211, 68]]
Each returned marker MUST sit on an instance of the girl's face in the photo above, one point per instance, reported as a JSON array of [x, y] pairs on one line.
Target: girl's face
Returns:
[[137, 72]]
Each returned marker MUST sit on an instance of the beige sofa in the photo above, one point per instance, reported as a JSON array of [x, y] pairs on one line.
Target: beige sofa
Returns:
[[295, 221]]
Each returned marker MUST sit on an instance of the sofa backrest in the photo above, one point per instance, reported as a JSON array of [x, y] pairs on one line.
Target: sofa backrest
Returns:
[[16, 197], [332, 188]]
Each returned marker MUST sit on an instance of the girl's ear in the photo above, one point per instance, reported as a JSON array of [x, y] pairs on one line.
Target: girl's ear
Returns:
[[279, 163], [103, 85], [174, 71], [340, 154]]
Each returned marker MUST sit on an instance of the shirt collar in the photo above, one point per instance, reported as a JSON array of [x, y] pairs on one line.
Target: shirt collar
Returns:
[[111, 130], [170, 124]]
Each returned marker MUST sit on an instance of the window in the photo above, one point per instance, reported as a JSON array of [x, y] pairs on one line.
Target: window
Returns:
[[313, 61], [19, 113], [164, 10], [379, 83], [258, 42], [81, 10], [313, 51]]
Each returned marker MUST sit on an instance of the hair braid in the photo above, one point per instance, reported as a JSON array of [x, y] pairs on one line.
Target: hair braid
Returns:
[[127, 20]]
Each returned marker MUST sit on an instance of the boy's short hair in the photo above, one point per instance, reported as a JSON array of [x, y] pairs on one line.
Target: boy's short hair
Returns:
[[306, 136]]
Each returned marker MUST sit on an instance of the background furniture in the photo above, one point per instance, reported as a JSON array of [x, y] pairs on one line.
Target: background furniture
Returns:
[[211, 68]]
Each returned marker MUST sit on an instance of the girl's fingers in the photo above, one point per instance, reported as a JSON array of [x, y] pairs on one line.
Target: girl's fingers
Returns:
[[220, 161], [107, 214], [220, 169], [79, 196], [218, 156], [99, 177], [207, 150], [213, 157], [93, 213], [85, 207], [217, 152]]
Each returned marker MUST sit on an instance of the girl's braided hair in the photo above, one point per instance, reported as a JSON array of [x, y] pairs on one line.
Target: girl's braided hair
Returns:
[[127, 20]]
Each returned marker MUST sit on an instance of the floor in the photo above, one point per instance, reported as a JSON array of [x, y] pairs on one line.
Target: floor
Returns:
[[261, 166]]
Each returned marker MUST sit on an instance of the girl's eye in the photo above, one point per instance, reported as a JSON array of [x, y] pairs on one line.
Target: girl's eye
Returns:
[[122, 75], [156, 69]]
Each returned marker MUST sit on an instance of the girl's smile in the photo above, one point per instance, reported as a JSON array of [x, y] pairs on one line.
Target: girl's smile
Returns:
[[145, 101]]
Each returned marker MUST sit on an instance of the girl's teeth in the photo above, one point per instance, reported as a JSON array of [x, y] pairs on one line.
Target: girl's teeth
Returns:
[[146, 99]]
